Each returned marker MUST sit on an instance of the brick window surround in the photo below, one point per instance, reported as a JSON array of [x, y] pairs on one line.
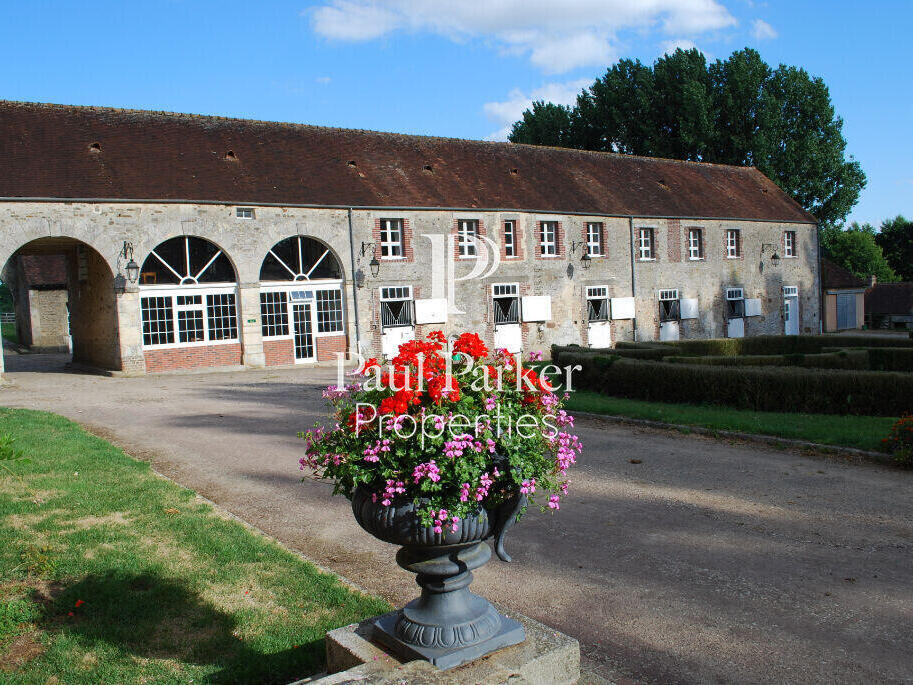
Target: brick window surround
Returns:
[[408, 254]]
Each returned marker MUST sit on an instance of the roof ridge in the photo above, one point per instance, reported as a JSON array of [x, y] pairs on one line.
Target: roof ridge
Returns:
[[291, 124]]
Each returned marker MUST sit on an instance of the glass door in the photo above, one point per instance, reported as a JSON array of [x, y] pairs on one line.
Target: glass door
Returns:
[[303, 332]]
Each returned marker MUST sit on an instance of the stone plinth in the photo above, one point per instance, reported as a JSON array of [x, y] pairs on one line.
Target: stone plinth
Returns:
[[545, 657]]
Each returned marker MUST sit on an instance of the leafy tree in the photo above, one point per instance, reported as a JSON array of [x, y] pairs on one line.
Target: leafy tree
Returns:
[[6, 298], [734, 111], [896, 240], [545, 124], [854, 248]]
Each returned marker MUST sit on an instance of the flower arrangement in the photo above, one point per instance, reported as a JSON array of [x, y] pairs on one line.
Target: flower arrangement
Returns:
[[900, 440], [449, 427]]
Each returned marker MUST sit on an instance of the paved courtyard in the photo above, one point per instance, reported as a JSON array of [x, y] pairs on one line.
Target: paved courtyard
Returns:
[[707, 562]]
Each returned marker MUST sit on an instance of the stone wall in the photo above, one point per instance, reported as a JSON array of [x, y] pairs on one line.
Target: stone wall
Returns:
[[105, 226], [46, 326]]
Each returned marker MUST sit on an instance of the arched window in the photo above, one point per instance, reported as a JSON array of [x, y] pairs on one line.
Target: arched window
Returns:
[[188, 296], [299, 259], [186, 260], [301, 295]]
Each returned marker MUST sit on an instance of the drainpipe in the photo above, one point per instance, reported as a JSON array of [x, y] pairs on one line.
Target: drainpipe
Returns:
[[820, 281], [354, 285], [633, 282]]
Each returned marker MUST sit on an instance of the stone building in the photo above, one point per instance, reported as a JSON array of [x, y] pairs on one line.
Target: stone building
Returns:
[[259, 243], [38, 283]]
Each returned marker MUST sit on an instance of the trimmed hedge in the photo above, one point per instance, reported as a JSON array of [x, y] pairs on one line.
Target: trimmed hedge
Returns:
[[814, 391], [769, 344], [891, 359], [841, 359]]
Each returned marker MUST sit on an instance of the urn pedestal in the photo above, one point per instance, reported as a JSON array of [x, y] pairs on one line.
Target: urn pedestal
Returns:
[[447, 624]]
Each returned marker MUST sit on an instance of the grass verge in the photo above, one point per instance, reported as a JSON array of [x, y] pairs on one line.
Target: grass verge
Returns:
[[8, 332], [861, 432], [109, 573]]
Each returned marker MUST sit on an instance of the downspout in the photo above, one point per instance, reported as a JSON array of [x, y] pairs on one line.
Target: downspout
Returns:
[[354, 285], [820, 280], [633, 282]]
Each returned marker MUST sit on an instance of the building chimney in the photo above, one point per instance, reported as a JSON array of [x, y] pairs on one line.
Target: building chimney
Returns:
[[873, 280]]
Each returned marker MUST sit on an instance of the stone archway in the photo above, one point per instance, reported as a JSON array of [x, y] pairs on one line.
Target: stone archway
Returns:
[[65, 303]]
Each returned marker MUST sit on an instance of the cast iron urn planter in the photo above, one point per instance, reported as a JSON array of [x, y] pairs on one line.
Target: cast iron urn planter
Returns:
[[447, 625]]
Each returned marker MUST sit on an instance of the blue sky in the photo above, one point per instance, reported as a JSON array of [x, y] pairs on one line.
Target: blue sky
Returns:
[[464, 69]]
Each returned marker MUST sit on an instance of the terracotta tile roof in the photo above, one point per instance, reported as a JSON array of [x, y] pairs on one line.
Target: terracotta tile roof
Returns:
[[47, 151], [890, 298], [836, 277]]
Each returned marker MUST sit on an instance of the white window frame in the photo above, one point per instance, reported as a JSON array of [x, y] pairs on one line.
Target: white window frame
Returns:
[[405, 294], [289, 288], [733, 294], [646, 248], [548, 244], [695, 247], [505, 290], [789, 244], [466, 238], [245, 213], [594, 242], [733, 243], [670, 295], [392, 243], [598, 292], [790, 291], [510, 245], [171, 291]]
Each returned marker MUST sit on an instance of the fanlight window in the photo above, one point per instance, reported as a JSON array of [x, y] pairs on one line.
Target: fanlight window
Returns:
[[299, 259], [186, 260]]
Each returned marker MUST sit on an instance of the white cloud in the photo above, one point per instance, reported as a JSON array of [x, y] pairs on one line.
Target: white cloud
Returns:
[[555, 36], [761, 30], [506, 112], [670, 46]]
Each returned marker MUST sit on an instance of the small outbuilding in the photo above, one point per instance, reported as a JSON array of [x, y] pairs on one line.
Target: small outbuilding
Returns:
[[844, 298], [890, 305]]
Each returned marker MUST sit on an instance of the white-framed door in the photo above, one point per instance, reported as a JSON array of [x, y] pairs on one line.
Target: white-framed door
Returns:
[[669, 330], [506, 309], [397, 323], [599, 327], [735, 328], [303, 331]]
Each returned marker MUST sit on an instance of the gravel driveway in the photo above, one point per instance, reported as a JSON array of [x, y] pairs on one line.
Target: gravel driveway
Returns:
[[707, 562]]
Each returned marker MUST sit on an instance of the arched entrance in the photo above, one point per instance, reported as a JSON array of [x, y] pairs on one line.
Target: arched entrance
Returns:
[[189, 306], [301, 302], [64, 305]]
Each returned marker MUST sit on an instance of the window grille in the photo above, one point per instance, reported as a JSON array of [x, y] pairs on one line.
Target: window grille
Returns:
[[187, 260], [645, 243], [594, 239], [467, 230], [548, 238], [668, 294], [158, 320], [789, 243], [222, 316], [506, 301], [597, 303], [733, 243], [329, 311], [244, 212], [695, 243], [790, 291], [510, 238], [273, 314], [391, 238], [299, 259], [396, 306]]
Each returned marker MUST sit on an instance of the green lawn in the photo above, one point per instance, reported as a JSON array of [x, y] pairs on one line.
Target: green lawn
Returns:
[[863, 432], [109, 573], [8, 331]]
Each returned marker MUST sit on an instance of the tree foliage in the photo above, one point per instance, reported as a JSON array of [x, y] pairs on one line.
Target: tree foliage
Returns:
[[856, 250], [896, 241], [734, 111]]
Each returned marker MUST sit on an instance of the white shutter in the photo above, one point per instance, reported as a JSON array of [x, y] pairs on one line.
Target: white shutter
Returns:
[[689, 309], [752, 307], [536, 308], [431, 310], [622, 307]]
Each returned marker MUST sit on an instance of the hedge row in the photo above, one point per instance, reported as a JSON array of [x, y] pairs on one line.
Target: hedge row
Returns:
[[841, 359], [814, 391], [891, 359], [770, 344]]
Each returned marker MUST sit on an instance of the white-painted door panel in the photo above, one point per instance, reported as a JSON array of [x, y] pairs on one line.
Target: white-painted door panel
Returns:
[[599, 334], [509, 337], [735, 328], [392, 338], [668, 330]]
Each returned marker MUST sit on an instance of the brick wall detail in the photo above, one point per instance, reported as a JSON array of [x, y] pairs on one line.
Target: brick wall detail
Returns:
[[196, 357]]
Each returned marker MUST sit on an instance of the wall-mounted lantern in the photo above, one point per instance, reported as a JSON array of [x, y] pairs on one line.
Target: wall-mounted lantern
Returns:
[[132, 268], [774, 258], [375, 266]]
